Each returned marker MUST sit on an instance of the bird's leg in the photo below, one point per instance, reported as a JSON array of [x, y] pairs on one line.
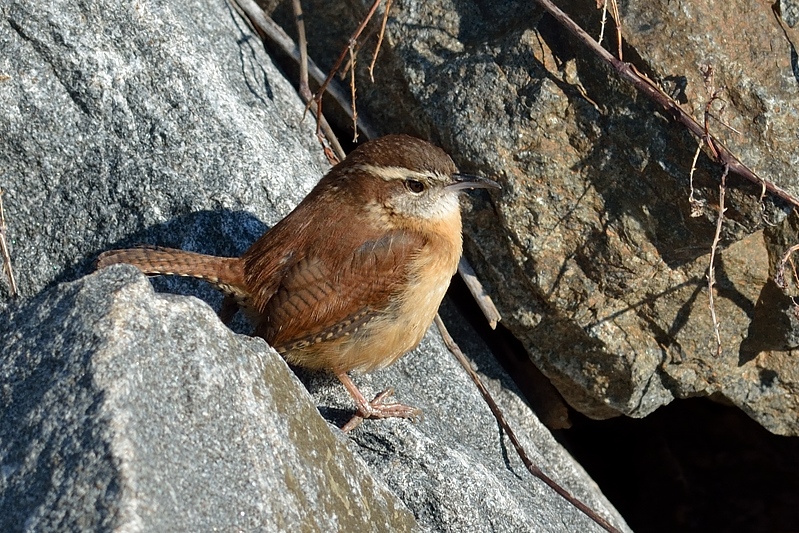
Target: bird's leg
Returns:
[[376, 408]]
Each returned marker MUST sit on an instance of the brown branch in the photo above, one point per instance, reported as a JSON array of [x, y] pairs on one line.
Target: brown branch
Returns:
[[695, 204], [779, 275], [628, 72], [304, 89], [4, 249], [268, 28], [604, 20], [305, 92], [379, 40], [352, 41], [479, 293], [353, 55], [495, 410], [711, 275], [617, 22]]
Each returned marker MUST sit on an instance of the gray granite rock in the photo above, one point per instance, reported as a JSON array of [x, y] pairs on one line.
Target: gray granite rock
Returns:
[[789, 10], [124, 409], [150, 122]]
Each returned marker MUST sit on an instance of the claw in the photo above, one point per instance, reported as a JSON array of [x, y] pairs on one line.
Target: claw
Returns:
[[376, 408]]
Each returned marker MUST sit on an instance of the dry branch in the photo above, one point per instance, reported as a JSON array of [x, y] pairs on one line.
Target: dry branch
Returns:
[[711, 272], [353, 40], [268, 28], [305, 93], [379, 40], [627, 71], [4, 249], [779, 276], [495, 410], [479, 293]]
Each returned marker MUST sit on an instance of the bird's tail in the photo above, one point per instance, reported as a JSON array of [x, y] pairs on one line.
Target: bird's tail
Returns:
[[227, 273]]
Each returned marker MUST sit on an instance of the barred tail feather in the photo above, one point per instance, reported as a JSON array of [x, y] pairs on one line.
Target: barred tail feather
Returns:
[[227, 273]]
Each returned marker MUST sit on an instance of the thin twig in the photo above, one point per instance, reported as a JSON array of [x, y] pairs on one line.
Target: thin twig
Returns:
[[344, 71], [269, 28], [479, 293], [353, 39], [627, 72], [604, 21], [718, 119], [379, 40], [305, 89], [695, 204], [353, 56], [532, 468], [711, 276], [305, 93], [713, 95], [793, 270], [4, 249], [266, 27], [779, 275], [617, 22]]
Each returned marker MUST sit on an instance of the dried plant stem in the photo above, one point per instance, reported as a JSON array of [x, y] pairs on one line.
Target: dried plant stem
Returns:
[[479, 293], [626, 71], [711, 276], [495, 410], [270, 29], [616, 19], [779, 276], [352, 41], [267, 28], [617, 22], [696, 205], [305, 89], [4, 249], [604, 21], [353, 56], [305, 93], [379, 40]]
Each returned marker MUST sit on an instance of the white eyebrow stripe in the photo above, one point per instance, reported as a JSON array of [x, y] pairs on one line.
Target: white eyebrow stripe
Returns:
[[394, 173]]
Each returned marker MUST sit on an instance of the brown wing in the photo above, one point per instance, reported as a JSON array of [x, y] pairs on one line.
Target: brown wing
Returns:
[[337, 287]]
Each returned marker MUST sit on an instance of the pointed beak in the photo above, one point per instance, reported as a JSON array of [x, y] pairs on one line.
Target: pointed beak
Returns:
[[469, 181]]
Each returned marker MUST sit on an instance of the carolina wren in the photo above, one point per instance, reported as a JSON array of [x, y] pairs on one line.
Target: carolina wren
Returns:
[[353, 277]]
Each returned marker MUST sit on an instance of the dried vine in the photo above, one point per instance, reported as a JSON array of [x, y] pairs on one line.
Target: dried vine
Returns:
[[717, 151]]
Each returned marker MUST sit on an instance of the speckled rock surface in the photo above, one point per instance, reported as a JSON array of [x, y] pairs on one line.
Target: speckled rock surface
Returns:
[[600, 269], [153, 116], [125, 410]]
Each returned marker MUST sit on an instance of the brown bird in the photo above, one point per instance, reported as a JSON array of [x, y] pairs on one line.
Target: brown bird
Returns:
[[352, 278]]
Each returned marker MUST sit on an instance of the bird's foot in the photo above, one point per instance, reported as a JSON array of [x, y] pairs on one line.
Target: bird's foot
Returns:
[[378, 409]]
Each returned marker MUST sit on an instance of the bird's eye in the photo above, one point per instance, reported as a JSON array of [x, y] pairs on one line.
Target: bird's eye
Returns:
[[414, 186]]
